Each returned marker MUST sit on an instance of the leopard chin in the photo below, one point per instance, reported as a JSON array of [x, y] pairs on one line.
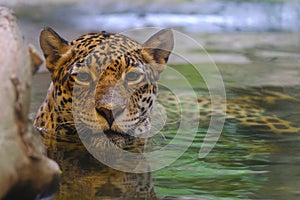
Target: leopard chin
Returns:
[[120, 139], [98, 138]]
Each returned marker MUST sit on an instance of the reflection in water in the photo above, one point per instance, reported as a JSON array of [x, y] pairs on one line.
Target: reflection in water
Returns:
[[83, 177]]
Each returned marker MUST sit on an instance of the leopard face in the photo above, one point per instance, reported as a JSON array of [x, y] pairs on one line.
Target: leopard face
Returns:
[[102, 82]]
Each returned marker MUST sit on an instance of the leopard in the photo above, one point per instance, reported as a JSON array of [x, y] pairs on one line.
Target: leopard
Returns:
[[103, 87], [104, 82]]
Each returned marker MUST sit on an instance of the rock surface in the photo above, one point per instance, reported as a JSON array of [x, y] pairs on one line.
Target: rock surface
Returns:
[[25, 172]]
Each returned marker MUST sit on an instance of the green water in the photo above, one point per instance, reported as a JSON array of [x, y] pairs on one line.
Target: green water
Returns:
[[241, 166], [244, 164]]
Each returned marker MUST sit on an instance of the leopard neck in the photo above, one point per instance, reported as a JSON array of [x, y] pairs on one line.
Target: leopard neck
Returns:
[[51, 117]]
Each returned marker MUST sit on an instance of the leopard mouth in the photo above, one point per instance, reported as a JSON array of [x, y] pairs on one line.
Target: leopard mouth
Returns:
[[97, 138], [118, 138], [112, 133]]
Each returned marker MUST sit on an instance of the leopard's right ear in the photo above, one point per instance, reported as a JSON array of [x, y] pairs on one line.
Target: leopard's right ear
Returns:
[[54, 47]]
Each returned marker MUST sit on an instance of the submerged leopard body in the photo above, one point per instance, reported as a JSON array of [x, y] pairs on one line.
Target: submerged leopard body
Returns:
[[243, 110]]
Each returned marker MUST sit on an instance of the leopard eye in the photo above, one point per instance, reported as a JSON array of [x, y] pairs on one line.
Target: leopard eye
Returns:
[[83, 77], [134, 76]]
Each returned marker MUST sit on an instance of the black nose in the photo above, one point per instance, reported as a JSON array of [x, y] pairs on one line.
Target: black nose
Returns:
[[108, 114]]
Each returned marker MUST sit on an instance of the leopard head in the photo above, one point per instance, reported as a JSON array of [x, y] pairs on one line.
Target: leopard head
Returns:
[[103, 82]]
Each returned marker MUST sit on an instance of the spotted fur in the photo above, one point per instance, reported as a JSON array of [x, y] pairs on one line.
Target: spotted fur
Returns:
[[102, 82]]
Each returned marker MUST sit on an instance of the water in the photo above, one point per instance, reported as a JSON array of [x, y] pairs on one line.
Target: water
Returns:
[[204, 16], [241, 166], [246, 163]]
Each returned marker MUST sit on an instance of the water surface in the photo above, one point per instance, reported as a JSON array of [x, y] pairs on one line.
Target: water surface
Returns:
[[246, 163], [260, 68]]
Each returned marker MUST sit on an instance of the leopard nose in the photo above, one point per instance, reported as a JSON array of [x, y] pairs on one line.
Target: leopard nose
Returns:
[[108, 114]]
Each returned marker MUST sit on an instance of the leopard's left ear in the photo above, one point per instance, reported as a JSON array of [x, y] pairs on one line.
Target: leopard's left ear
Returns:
[[54, 47], [159, 46]]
